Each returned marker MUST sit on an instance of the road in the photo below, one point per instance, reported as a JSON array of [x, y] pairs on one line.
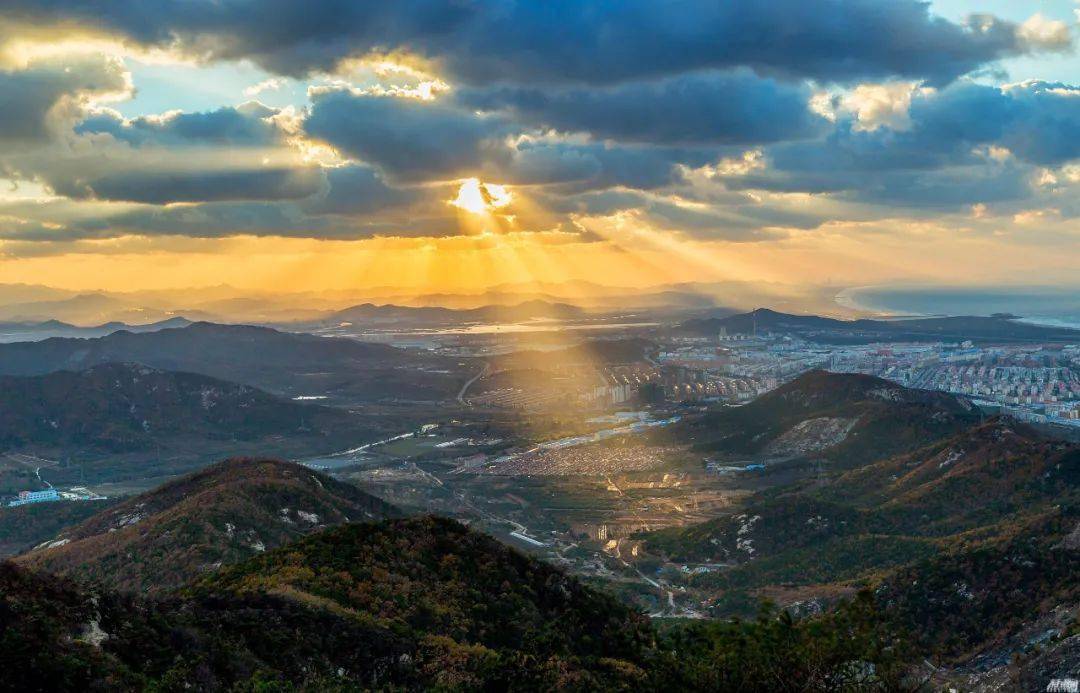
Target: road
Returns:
[[470, 381], [38, 463]]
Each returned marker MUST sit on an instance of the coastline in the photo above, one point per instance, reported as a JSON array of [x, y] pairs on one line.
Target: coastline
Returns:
[[855, 298]]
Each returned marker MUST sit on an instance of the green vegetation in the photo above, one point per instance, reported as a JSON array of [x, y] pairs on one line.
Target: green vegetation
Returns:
[[421, 604], [850, 649]]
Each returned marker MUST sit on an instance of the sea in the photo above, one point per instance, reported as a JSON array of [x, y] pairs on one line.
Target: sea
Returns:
[[1043, 305]]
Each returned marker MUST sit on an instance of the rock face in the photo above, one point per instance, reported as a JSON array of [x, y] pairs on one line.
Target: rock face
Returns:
[[1071, 542], [811, 435], [221, 515]]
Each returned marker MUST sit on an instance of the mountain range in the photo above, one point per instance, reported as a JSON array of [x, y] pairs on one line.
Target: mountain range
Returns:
[[223, 303], [994, 329], [36, 331], [280, 362], [369, 313]]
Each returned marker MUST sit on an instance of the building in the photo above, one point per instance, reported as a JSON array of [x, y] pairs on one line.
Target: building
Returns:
[[27, 497]]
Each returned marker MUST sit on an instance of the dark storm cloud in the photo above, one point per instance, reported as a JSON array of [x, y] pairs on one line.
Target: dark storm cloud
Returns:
[[562, 41], [413, 140], [407, 138], [700, 108], [1044, 126], [593, 165]]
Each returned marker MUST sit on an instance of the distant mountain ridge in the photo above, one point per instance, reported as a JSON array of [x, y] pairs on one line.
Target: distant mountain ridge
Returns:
[[36, 331], [281, 362], [526, 310], [995, 328], [220, 515]]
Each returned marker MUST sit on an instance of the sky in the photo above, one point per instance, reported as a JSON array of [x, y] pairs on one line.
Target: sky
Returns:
[[458, 145]]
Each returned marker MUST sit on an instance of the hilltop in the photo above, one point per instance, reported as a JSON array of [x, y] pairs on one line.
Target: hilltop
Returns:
[[994, 328], [280, 362], [848, 419], [220, 515], [403, 604]]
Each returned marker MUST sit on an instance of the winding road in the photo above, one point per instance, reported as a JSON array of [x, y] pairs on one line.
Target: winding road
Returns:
[[470, 381]]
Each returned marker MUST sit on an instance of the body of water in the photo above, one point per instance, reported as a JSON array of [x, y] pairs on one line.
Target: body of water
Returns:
[[1057, 306]]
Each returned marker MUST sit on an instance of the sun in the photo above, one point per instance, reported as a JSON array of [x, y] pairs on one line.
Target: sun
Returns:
[[480, 198]]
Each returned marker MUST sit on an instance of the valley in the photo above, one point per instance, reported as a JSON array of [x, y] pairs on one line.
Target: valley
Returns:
[[689, 488]]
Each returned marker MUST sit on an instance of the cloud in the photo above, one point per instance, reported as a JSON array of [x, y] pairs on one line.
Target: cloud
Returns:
[[966, 144], [593, 165], [137, 184], [244, 126], [46, 96], [227, 154], [700, 108], [405, 137], [881, 105], [528, 42], [738, 120], [1045, 34], [271, 84], [358, 189]]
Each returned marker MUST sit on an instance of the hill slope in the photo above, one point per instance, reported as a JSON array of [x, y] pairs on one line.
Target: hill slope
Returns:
[[849, 419], [967, 483], [973, 540], [222, 514], [409, 605], [121, 407]]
